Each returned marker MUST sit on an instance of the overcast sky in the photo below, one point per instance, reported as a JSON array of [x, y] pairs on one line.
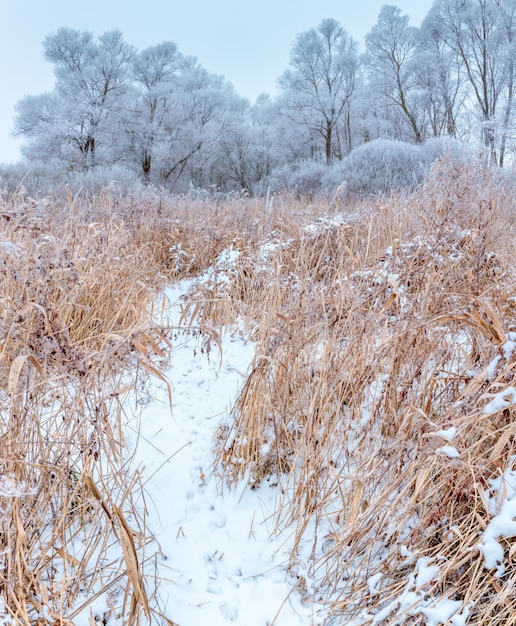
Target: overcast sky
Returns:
[[248, 41]]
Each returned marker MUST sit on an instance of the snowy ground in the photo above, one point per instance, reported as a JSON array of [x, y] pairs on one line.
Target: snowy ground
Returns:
[[220, 562]]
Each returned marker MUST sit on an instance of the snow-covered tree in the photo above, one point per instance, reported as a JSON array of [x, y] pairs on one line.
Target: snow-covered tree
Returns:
[[165, 118], [319, 86], [91, 80], [156, 111], [481, 34], [391, 47], [205, 107], [440, 77], [39, 119], [154, 72], [507, 17], [249, 151]]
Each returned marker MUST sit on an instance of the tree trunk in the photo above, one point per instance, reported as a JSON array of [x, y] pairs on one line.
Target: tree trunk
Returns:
[[328, 138], [89, 153], [146, 165]]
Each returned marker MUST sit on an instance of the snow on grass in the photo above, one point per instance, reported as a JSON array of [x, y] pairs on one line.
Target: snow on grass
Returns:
[[416, 599], [218, 559], [448, 433], [501, 400], [509, 346], [223, 268], [328, 222], [448, 451], [11, 488], [501, 500]]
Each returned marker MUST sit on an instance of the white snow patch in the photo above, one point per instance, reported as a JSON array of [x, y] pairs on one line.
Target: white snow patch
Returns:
[[448, 451], [501, 499], [415, 599], [501, 400], [509, 346], [441, 611], [222, 270], [491, 368], [448, 434]]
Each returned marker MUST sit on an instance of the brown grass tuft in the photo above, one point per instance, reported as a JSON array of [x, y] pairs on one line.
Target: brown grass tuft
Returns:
[[76, 287], [380, 330]]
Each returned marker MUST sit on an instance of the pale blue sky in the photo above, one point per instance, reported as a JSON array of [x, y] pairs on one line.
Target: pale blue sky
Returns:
[[247, 41]]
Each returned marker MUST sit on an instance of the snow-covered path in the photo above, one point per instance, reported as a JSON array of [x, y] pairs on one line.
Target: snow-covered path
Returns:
[[219, 563]]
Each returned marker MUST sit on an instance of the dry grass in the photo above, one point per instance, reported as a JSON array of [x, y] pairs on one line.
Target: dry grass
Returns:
[[376, 329], [75, 289], [80, 279], [374, 333]]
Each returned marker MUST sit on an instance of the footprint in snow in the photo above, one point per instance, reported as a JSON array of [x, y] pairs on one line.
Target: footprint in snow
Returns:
[[229, 612], [220, 522]]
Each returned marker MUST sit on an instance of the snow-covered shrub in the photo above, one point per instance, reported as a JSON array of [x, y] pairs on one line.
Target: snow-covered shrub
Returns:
[[94, 180], [378, 167], [439, 147], [23, 178], [302, 179], [384, 166], [47, 178]]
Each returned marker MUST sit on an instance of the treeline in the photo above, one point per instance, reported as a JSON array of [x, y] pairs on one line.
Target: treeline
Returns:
[[160, 117]]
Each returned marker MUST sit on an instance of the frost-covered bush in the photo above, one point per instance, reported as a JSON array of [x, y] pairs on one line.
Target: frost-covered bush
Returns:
[[438, 147], [302, 179], [116, 176], [381, 166], [384, 166], [373, 169], [44, 178], [23, 178]]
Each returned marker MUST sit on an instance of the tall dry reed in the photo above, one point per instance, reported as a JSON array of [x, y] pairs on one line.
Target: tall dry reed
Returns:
[[378, 328], [77, 279], [79, 327], [377, 331]]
